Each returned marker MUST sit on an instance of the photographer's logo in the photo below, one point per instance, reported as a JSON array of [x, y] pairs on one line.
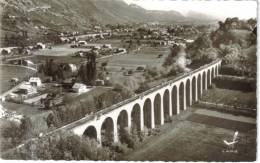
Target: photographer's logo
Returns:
[[230, 145]]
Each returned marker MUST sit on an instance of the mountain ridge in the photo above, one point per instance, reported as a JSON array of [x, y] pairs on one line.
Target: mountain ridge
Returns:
[[79, 14]]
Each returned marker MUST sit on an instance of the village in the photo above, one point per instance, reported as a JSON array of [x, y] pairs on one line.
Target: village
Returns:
[[34, 90]]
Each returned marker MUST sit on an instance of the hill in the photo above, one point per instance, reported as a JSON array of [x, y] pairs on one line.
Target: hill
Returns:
[[77, 14]]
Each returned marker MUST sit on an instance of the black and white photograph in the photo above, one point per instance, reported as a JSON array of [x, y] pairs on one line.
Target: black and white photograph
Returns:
[[128, 80]]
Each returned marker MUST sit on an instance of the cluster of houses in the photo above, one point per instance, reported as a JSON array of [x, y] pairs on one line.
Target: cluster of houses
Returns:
[[8, 51], [34, 92], [102, 49]]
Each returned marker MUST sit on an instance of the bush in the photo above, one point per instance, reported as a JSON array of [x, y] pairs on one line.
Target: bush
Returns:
[[155, 131], [119, 148], [131, 140]]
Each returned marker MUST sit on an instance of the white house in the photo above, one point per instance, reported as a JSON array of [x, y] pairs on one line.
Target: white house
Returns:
[[80, 88], [82, 43], [43, 46], [35, 81], [109, 46]]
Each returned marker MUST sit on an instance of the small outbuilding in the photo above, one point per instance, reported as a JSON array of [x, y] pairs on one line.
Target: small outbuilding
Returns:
[[41, 45], [35, 81], [80, 88], [100, 82]]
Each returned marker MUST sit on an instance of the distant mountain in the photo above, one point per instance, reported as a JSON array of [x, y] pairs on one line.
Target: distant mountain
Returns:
[[200, 17], [79, 14]]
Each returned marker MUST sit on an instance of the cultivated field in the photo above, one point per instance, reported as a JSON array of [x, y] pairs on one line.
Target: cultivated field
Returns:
[[59, 50], [196, 136], [9, 72]]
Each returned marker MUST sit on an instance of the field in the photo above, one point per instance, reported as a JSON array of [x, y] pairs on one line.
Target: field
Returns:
[[230, 97], [9, 72], [196, 136], [59, 50], [146, 57]]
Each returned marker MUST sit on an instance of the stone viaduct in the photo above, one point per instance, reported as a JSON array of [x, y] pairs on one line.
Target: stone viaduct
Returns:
[[148, 109]]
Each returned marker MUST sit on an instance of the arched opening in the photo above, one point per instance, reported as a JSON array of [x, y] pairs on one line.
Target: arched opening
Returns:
[[181, 97], [136, 117], [208, 78], [90, 132], [188, 94], [199, 86], [122, 124], [212, 73], [166, 102], [174, 100], [204, 80], [107, 132], [194, 88], [216, 71], [157, 109], [147, 113]]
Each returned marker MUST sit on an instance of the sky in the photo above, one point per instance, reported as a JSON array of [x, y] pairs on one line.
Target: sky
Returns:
[[217, 8]]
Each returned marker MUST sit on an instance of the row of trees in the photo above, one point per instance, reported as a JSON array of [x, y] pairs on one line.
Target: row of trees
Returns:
[[62, 146], [67, 146], [59, 72], [14, 133]]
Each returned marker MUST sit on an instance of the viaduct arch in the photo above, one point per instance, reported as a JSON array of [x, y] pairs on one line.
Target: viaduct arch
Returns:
[[148, 109]]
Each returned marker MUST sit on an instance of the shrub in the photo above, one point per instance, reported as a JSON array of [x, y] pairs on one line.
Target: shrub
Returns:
[[119, 147], [131, 140], [168, 119], [212, 86]]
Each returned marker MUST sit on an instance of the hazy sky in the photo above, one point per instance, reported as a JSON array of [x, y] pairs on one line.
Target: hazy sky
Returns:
[[222, 9]]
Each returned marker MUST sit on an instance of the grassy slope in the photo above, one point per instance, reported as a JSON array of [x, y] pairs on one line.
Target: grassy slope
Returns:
[[230, 97], [185, 140]]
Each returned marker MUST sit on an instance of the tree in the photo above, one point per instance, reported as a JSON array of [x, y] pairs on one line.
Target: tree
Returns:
[[4, 53], [142, 88], [87, 71]]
